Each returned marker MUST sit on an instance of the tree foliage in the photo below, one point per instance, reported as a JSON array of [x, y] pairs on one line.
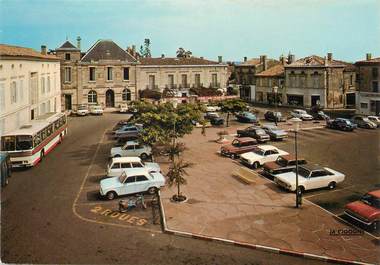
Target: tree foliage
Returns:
[[176, 174], [145, 49], [232, 106], [182, 53]]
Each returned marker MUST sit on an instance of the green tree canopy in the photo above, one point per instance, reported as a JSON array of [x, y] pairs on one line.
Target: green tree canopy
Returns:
[[232, 106]]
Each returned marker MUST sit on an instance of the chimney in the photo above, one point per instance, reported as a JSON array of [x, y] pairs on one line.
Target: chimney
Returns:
[[245, 58], [78, 42], [43, 49], [133, 48], [368, 56], [162, 55], [264, 62], [201, 57], [220, 59], [329, 56], [291, 58]]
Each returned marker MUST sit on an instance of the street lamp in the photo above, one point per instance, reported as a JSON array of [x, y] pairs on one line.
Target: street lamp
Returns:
[[296, 126], [275, 89]]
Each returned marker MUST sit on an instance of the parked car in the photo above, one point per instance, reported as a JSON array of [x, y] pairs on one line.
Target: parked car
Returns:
[[310, 177], [123, 139], [135, 180], [301, 114], [96, 110], [128, 130], [375, 119], [320, 115], [274, 132], [367, 210], [238, 146], [254, 132], [283, 164], [82, 110], [273, 116], [210, 108], [246, 117], [260, 155], [123, 108], [120, 124], [214, 118], [120, 164], [363, 122], [132, 148], [341, 124]]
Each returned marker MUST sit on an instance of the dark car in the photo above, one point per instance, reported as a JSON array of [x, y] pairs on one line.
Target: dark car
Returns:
[[341, 124], [273, 116], [214, 118], [320, 115], [283, 164], [363, 122], [128, 130], [238, 146], [121, 140], [254, 132], [246, 117], [120, 124]]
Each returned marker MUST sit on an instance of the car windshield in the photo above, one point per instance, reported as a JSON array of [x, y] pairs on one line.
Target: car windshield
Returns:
[[82, 108], [122, 177], [366, 119], [260, 131], [303, 172], [282, 161], [371, 200], [97, 107], [259, 152]]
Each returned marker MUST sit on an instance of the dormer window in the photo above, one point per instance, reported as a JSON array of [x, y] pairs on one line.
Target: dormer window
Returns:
[[67, 56]]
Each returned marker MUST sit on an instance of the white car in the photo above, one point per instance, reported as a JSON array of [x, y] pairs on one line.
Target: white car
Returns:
[[260, 155], [96, 110], [212, 108], [132, 148], [82, 110], [135, 180], [375, 119], [120, 164], [301, 114], [123, 108], [310, 177]]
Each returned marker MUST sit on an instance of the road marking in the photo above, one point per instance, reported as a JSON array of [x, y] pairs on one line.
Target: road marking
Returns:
[[81, 188]]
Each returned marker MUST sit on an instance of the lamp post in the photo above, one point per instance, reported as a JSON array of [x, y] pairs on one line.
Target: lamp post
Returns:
[[275, 88], [296, 125]]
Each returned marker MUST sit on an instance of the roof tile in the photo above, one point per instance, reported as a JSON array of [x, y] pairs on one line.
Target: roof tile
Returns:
[[22, 52]]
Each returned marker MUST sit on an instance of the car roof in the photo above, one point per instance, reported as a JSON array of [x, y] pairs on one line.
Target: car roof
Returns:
[[131, 142], [136, 171], [126, 159], [245, 139], [375, 193], [266, 147], [312, 167], [268, 125]]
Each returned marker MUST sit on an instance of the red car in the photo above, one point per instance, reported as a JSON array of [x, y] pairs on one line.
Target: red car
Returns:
[[367, 210], [238, 146]]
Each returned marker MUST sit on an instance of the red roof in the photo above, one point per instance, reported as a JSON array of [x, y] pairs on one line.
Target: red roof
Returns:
[[22, 52], [277, 70]]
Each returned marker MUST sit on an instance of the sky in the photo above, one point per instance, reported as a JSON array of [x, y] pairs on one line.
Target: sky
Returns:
[[209, 28]]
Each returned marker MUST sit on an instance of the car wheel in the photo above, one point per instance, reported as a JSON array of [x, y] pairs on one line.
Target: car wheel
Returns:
[[233, 156], [116, 156], [256, 165], [111, 195], [331, 185], [152, 190], [143, 156]]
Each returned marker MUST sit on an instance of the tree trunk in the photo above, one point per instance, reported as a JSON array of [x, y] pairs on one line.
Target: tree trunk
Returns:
[[228, 118], [178, 190]]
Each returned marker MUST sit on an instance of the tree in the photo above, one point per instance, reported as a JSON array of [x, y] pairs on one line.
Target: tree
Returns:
[[182, 53], [145, 49], [232, 106], [176, 174]]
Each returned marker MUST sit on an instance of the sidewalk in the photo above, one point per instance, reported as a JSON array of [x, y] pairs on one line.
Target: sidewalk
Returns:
[[221, 206]]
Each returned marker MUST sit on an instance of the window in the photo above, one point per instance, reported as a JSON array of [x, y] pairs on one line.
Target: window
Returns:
[[126, 73], [67, 56], [152, 82], [214, 79], [364, 105], [126, 94], [197, 80], [92, 74], [375, 86], [43, 90], [130, 179], [130, 147], [315, 80], [21, 88], [170, 81], [126, 165], [13, 92], [2, 97], [351, 80], [116, 165], [184, 80], [48, 84], [67, 74], [375, 72], [92, 97], [136, 164], [109, 73], [141, 178]]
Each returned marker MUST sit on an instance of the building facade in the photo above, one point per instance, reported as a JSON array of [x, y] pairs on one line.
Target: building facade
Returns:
[[181, 74], [270, 85], [105, 75], [29, 86], [368, 94]]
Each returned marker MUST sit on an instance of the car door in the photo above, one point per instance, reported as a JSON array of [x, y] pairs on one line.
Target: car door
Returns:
[[266, 157], [125, 166], [273, 155], [129, 186], [142, 183], [129, 150], [115, 170], [316, 180]]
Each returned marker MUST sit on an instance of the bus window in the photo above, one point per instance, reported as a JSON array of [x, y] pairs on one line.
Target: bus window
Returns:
[[37, 139], [24, 142], [43, 134], [49, 130], [8, 143], [56, 125]]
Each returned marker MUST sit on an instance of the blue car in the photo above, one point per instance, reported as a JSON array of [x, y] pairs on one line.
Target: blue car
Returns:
[[341, 124], [246, 117]]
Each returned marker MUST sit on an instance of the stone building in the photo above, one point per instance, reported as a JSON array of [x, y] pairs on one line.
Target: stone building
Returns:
[[368, 94], [315, 80], [29, 86], [105, 74], [245, 75], [181, 74]]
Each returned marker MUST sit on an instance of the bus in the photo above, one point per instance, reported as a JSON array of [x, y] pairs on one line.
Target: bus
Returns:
[[5, 168], [28, 145]]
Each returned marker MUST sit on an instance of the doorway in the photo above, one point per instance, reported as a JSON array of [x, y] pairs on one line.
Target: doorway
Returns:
[[315, 100], [110, 98], [68, 105]]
